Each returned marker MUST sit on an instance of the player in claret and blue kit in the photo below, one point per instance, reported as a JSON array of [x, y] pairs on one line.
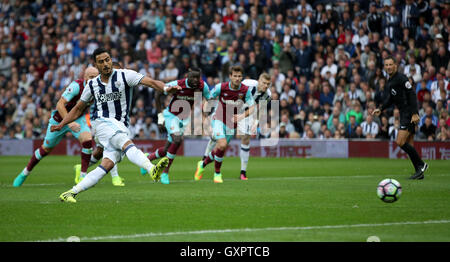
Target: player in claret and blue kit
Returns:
[[177, 116], [232, 96], [79, 128]]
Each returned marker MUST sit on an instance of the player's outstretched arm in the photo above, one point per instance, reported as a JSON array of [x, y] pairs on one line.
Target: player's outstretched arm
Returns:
[[76, 112], [158, 85]]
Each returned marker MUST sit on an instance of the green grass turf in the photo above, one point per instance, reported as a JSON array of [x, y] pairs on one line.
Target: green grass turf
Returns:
[[285, 199]]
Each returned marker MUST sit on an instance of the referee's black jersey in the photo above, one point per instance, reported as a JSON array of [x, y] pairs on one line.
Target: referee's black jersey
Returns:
[[401, 94]]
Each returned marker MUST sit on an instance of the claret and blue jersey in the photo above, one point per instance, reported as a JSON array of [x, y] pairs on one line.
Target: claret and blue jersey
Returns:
[[227, 96]]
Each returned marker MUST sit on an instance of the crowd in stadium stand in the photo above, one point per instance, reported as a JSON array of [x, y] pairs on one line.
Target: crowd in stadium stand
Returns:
[[325, 58]]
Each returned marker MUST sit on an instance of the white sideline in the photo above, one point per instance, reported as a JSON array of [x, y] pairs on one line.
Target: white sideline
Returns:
[[240, 230]]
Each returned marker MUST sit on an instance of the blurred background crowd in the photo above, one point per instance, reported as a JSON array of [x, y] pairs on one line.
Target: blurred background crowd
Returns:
[[325, 58]]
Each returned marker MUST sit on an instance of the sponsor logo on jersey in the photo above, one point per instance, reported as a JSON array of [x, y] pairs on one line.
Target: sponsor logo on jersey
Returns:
[[103, 98]]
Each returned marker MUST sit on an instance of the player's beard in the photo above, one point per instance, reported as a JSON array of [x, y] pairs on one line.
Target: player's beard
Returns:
[[107, 71]]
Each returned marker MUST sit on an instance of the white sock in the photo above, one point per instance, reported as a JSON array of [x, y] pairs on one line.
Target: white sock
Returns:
[[25, 171], [114, 171], [93, 160], [138, 158], [211, 144], [244, 154], [90, 180]]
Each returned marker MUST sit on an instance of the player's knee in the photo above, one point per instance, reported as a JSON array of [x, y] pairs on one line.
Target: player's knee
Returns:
[[98, 152], [87, 144], [120, 141], [47, 149], [222, 144], [245, 140], [107, 163], [85, 137], [400, 142]]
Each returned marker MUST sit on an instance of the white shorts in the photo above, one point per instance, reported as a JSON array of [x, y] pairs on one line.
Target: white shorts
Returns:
[[244, 126], [111, 135]]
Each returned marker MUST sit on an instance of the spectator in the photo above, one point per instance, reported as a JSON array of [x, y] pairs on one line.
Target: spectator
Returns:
[[329, 67], [428, 113], [443, 134], [150, 127], [356, 112], [314, 48], [369, 127], [326, 96], [170, 73], [350, 130], [393, 130], [428, 129]]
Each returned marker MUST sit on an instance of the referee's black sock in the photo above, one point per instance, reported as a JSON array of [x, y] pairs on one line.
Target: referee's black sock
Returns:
[[413, 155]]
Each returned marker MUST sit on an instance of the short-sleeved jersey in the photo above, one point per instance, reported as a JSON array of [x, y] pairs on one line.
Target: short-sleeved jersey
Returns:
[[257, 96], [112, 99], [72, 94], [185, 94], [401, 94], [230, 97]]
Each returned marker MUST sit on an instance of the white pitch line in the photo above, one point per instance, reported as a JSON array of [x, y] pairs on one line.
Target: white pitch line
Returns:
[[235, 180], [240, 230]]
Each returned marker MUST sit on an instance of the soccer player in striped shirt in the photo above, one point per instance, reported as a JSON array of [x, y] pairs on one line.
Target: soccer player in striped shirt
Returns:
[[111, 93], [98, 154]]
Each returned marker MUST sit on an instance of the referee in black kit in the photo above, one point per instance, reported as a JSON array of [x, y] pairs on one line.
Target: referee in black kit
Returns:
[[402, 95]]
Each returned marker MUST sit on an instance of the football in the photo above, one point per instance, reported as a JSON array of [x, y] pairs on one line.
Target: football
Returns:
[[389, 190]]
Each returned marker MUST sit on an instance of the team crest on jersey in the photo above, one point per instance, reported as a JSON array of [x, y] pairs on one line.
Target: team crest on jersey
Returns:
[[393, 92], [117, 84], [241, 96], [408, 85]]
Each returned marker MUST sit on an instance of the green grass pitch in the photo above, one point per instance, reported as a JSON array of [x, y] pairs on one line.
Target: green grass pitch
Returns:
[[285, 199]]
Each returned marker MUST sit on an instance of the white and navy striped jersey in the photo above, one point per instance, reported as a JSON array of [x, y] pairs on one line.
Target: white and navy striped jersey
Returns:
[[257, 96], [112, 99]]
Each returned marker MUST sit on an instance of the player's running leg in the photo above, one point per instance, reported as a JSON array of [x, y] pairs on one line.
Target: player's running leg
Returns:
[[95, 157], [51, 140], [244, 155], [420, 166], [207, 158], [219, 152], [86, 152], [85, 137], [39, 153], [116, 179], [160, 152], [402, 142], [210, 147], [137, 157], [171, 154], [89, 181]]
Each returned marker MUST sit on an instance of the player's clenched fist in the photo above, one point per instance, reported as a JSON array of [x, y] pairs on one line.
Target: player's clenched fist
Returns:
[[55, 128]]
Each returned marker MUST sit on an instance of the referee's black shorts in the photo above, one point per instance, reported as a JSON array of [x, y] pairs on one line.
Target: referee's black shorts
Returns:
[[405, 123]]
